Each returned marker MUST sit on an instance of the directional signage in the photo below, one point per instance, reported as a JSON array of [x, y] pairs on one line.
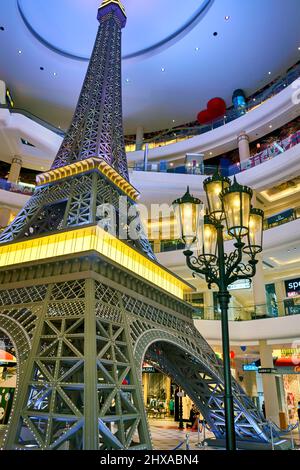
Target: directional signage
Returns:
[[267, 370]]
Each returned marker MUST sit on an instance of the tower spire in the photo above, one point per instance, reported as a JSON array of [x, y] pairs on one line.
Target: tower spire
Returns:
[[96, 129]]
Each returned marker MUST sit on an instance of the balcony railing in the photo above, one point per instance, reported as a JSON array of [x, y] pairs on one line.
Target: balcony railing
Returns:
[[179, 134], [277, 148], [20, 188], [283, 308]]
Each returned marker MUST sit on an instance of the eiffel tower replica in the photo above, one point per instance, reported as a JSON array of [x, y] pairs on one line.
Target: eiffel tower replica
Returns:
[[84, 308]]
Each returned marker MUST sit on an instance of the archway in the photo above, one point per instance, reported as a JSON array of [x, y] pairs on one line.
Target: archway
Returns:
[[202, 380], [15, 342]]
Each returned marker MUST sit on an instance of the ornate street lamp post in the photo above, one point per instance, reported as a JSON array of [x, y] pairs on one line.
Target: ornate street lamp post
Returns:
[[229, 210]]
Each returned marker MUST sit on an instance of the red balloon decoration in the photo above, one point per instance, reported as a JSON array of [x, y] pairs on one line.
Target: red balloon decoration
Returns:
[[232, 354], [216, 107], [204, 117]]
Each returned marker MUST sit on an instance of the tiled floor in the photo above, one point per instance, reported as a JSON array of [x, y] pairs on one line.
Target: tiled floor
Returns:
[[166, 435]]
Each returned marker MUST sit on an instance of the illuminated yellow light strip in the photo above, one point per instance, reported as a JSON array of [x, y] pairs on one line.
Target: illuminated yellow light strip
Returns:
[[284, 263], [96, 239], [281, 194], [83, 166]]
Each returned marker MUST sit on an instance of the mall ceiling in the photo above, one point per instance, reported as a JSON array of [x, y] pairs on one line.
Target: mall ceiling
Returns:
[[176, 55]]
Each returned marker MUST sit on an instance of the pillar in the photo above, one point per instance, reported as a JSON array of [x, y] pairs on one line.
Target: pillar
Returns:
[[280, 295], [244, 148], [250, 383], [168, 391], [139, 138], [15, 169], [5, 215], [145, 387], [269, 383], [208, 298], [258, 288]]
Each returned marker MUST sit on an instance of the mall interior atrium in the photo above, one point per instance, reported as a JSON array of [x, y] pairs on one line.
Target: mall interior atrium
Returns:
[[149, 225]]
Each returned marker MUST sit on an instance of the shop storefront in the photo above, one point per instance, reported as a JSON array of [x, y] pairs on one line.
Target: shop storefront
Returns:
[[162, 396], [287, 365]]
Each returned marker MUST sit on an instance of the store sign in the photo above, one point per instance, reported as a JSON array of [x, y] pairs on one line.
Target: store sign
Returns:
[[267, 370], [240, 284], [148, 368], [279, 217], [292, 287], [250, 367]]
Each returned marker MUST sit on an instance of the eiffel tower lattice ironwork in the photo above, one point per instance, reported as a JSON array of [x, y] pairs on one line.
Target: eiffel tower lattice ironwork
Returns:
[[85, 308]]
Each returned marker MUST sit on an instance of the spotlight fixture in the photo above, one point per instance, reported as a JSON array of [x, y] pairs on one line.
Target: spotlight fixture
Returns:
[[227, 17], [20, 52], [270, 126], [197, 49], [163, 69], [54, 73], [127, 80], [269, 73]]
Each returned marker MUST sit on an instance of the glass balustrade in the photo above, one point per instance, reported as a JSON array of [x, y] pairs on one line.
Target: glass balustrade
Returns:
[[277, 148], [179, 134], [20, 188], [283, 308]]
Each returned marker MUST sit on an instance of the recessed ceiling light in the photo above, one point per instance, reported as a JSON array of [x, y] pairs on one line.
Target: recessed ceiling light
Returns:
[[254, 99], [227, 17], [173, 120], [127, 80], [210, 153], [163, 69], [20, 52], [269, 73], [270, 126], [54, 73], [196, 48], [298, 47]]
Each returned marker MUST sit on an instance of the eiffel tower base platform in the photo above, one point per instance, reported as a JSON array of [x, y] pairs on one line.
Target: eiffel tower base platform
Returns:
[[82, 326]]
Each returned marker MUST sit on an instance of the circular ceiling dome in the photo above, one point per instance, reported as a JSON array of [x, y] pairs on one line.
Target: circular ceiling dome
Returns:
[[69, 27]]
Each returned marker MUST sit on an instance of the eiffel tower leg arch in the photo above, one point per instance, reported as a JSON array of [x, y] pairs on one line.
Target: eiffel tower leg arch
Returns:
[[22, 345], [201, 381]]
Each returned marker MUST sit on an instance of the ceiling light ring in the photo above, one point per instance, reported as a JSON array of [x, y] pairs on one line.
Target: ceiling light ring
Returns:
[[155, 48]]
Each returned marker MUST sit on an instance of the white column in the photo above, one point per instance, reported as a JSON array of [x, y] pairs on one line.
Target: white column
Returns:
[[280, 295], [15, 169], [269, 383], [244, 148], [208, 298], [139, 138], [5, 214], [258, 288]]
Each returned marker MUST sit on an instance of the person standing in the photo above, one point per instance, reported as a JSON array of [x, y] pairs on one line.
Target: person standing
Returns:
[[171, 406]]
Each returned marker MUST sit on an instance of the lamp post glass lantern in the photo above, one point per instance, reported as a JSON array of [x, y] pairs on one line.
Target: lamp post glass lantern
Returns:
[[229, 202]]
